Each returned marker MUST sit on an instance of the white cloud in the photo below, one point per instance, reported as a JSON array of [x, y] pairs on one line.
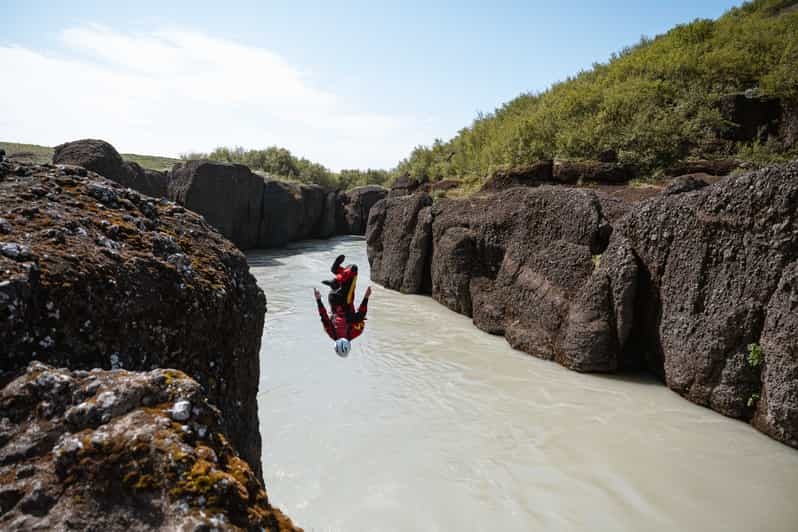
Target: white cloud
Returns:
[[173, 91]]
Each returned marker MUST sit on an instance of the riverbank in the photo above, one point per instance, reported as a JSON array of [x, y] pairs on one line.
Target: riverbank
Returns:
[[694, 285]]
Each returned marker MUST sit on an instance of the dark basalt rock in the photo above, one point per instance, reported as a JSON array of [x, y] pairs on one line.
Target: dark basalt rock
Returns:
[[101, 276], [681, 284], [404, 186], [572, 172], [354, 206], [121, 450], [712, 262], [530, 175], [229, 196], [99, 156], [391, 227]]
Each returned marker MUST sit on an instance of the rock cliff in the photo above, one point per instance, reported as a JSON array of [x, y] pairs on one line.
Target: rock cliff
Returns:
[[121, 450], [99, 276], [685, 284]]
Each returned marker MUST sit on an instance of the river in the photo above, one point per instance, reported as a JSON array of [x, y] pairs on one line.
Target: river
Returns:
[[431, 424]]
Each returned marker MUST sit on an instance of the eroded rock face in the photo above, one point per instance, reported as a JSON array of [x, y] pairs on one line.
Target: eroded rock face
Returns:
[[121, 450], [682, 284], [99, 156], [229, 196], [712, 261], [391, 228], [99, 276], [354, 207]]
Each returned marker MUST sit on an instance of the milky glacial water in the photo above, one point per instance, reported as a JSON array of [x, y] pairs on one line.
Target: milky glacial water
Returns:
[[431, 424]]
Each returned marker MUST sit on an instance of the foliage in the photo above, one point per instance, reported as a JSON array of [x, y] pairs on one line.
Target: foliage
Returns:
[[282, 164], [752, 400], [654, 102], [755, 355]]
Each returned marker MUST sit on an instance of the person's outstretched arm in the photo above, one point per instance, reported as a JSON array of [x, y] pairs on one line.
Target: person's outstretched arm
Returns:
[[325, 318], [364, 306]]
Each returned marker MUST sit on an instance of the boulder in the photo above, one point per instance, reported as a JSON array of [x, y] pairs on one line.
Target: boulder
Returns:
[[229, 196], [100, 276], [99, 156], [685, 183], [354, 206], [92, 154], [121, 450], [528, 175]]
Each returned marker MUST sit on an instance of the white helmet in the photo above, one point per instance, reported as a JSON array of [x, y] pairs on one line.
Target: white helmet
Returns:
[[342, 347]]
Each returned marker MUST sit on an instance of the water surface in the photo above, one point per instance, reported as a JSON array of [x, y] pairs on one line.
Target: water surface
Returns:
[[431, 424]]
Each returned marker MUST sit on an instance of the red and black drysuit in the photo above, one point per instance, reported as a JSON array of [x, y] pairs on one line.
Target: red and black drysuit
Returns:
[[344, 322]]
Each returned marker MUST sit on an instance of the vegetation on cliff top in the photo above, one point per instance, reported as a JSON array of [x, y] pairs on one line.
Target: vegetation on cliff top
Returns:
[[654, 103], [281, 163]]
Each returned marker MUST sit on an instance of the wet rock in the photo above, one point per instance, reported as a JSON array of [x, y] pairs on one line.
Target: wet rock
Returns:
[[135, 286], [115, 464]]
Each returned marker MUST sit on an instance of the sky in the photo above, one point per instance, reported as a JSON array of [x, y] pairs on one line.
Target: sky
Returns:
[[345, 84]]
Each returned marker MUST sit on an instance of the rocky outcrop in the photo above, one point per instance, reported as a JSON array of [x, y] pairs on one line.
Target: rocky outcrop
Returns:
[[404, 185], [354, 206], [100, 276], [121, 450], [229, 196], [685, 284], [391, 228], [533, 174], [712, 261], [99, 156], [572, 172]]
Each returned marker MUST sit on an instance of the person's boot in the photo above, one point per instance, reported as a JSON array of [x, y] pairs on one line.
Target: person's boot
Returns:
[[337, 264]]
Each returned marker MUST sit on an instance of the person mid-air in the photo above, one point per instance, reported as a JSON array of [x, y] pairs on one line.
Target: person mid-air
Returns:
[[344, 323]]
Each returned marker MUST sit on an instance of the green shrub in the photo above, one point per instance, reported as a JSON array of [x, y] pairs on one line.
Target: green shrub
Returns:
[[654, 102], [755, 355]]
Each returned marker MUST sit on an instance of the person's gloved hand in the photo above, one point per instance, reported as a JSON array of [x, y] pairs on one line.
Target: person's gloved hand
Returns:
[[317, 294], [368, 291]]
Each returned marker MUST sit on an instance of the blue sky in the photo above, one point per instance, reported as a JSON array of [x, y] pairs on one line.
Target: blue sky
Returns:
[[350, 84]]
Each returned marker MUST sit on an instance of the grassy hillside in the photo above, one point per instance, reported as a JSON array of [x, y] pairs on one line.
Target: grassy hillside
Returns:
[[43, 154], [654, 103]]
